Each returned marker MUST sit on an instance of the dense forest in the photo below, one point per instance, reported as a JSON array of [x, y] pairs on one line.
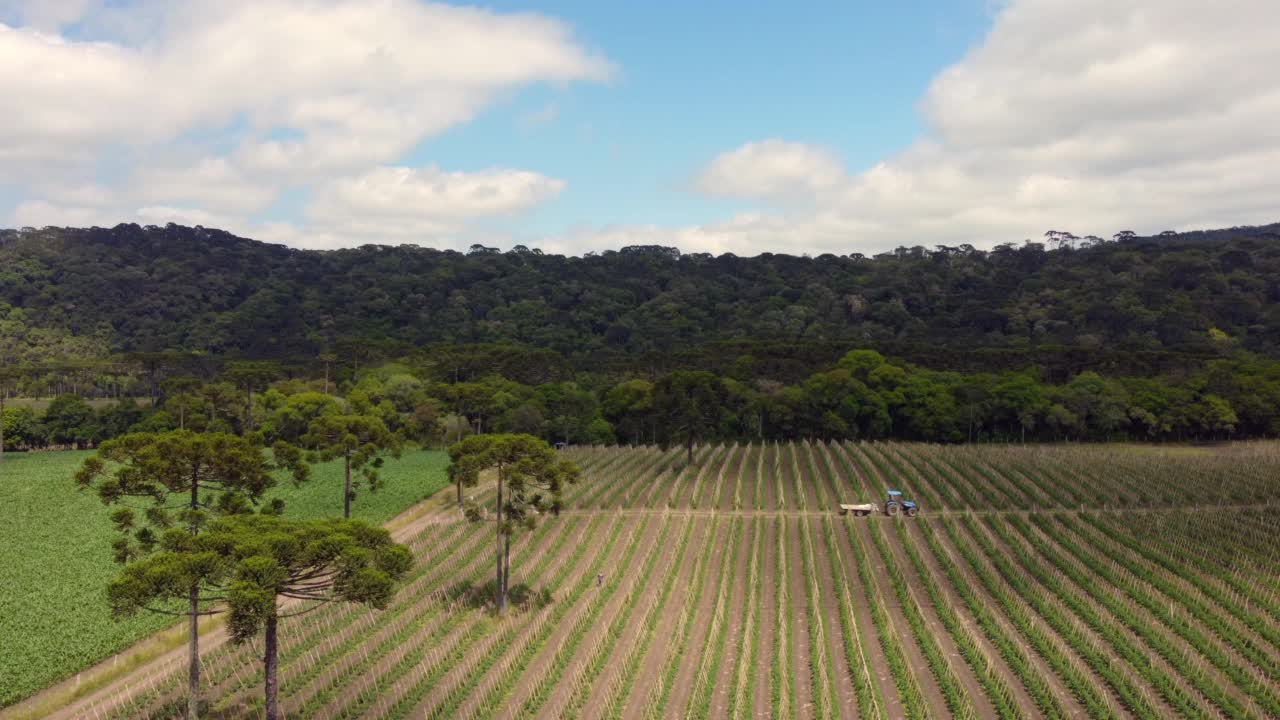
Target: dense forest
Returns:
[[1166, 337]]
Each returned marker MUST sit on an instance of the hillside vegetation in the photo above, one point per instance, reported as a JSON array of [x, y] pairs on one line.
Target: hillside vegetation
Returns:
[[132, 288]]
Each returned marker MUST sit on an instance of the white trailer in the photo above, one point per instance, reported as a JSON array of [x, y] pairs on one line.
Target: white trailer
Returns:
[[861, 510]]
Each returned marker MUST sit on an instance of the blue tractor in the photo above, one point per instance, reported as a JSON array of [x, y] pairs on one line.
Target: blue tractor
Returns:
[[896, 504]]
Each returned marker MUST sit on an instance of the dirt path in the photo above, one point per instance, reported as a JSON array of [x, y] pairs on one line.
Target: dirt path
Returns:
[[973, 530], [603, 684], [801, 633], [1042, 669], [154, 658], [772, 501], [947, 644], [830, 608], [871, 646], [655, 659], [768, 610], [925, 679], [699, 638], [736, 617]]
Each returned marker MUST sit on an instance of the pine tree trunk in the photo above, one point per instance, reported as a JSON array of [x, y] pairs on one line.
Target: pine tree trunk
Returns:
[[346, 496], [1, 425], [506, 566], [501, 598], [459, 483], [193, 647], [690, 448], [270, 666], [193, 642]]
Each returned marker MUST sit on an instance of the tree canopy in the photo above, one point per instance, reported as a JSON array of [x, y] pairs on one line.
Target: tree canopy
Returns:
[[530, 477]]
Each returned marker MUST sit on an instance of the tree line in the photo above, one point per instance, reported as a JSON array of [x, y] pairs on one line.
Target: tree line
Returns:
[[70, 293], [862, 395]]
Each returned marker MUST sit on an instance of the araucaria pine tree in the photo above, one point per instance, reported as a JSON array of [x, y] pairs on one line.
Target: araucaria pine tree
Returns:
[[181, 481], [255, 560], [530, 478]]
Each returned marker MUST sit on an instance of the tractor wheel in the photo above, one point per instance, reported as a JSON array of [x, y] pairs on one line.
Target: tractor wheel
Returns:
[[891, 510], [911, 512]]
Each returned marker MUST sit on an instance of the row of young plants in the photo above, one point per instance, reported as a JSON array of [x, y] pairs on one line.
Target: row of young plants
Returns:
[[866, 691], [533, 647], [1053, 655], [988, 675], [913, 702], [1092, 609], [427, 669], [713, 650], [620, 687], [605, 641], [655, 703], [596, 614], [1245, 632], [409, 664], [507, 652], [821, 674], [749, 648], [1249, 607], [782, 691], [1212, 618], [1149, 625], [957, 699]]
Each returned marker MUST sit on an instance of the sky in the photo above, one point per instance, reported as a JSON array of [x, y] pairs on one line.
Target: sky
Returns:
[[577, 126]]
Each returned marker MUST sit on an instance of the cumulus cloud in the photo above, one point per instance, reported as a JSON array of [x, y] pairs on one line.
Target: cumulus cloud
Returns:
[[223, 104], [1092, 116], [772, 169]]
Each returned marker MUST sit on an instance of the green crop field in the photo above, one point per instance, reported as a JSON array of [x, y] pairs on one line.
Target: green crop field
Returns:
[[1055, 582], [54, 620]]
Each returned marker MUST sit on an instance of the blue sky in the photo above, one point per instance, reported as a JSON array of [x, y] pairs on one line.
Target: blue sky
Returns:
[[574, 126], [696, 78]]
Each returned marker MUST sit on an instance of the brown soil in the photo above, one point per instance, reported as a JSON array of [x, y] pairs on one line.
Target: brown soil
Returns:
[[635, 626], [866, 626], [541, 663], [1056, 686], [832, 628], [925, 680], [656, 657], [768, 610], [735, 616], [699, 632], [800, 630], [981, 704], [771, 500]]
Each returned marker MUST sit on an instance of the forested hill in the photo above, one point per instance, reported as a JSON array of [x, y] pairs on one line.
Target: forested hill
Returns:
[[131, 288]]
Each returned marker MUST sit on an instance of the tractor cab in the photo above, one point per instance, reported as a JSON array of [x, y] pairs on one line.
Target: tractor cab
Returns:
[[895, 504]]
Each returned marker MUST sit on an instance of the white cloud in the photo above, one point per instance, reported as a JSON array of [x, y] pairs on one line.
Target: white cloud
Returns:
[[772, 169], [1092, 116], [223, 104], [399, 204], [429, 192]]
